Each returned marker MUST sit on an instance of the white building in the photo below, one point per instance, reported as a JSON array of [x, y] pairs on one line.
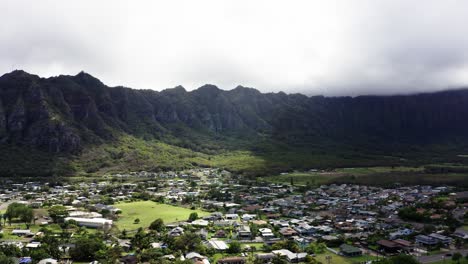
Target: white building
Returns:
[[91, 222]]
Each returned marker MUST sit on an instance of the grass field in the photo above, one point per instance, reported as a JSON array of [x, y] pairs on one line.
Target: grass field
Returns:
[[372, 176], [450, 261], [335, 259], [327, 177], [148, 211]]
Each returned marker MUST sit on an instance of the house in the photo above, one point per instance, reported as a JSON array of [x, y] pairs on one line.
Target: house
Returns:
[[220, 233], [22, 232], [224, 223], [200, 222], [248, 217], [266, 233], [350, 251], [231, 216], [404, 244], [388, 246], [197, 258], [425, 240], [48, 261], [232, 260], [216, 244], [202, 233], [176, 231], [292, 257], [265, 257], [33, 244], [287, 232], [244, 232], [460, 233], [400, 233], [441, 238]]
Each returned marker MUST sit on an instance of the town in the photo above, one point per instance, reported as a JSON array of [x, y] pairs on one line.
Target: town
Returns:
[[210, 215]]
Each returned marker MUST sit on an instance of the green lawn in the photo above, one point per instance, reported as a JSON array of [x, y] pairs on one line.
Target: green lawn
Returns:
[[148, 211], [317, 178], [450, 261], [342, 260]]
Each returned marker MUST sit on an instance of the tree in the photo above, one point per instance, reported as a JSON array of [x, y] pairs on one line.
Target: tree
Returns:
[[193, 216], [316, 248], [157, 225], [140, 240], [38, 254], [457, 257], [58, 213], [5, 259], [19, 211], [86, 248], [51, 244], [187, 242], [136, 221], [279, 260], [234, 247]]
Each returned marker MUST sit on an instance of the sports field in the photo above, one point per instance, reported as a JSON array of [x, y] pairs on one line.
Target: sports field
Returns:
[[148, 211]]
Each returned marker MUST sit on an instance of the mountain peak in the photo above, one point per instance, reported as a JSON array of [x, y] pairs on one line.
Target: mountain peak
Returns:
[[87, 79], [207, 90], [179, 89], [19, 74], [243, 89], [209, 87]]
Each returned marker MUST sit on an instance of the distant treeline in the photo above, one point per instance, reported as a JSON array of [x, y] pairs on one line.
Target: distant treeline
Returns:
[[445, 168]]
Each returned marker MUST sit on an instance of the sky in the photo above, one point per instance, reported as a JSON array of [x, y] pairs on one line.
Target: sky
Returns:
[[313, 47]]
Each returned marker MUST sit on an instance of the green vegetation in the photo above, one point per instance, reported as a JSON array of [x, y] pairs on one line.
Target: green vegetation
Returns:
[[372, 176], [21, 212], [148, 211], [342, 260]]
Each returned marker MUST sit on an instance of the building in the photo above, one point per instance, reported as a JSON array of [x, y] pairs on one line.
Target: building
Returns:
[[266, 232], [232, 260], [388, 246], [244, 232], [292, 257], [441, 238], [217, 245], [425, 240], [91, 222], [350, 251]]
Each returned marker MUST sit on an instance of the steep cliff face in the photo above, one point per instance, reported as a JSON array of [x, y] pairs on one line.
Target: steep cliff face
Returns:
[[62, 114], [2, 122]]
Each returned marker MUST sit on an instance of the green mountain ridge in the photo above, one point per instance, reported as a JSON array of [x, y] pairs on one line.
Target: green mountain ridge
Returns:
[[75, 124]]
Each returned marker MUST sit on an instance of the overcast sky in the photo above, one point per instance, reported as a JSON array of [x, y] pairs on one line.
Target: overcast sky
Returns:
[[314, 47]]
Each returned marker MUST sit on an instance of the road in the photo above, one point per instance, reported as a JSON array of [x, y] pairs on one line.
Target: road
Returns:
[[440, 257], [4, 206]]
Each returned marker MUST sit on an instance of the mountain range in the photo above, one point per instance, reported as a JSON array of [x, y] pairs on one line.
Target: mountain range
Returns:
[[77, 124]]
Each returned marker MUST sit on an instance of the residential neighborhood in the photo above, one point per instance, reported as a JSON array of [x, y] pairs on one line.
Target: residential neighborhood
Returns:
[[213, 216]]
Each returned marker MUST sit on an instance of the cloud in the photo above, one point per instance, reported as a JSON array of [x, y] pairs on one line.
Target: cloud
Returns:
[[313, 47]]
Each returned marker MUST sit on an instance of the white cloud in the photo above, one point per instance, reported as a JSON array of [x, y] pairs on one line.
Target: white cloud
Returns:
[[315, 47]]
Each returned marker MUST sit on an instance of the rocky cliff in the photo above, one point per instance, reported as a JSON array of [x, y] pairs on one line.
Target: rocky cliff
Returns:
[[64, 114]]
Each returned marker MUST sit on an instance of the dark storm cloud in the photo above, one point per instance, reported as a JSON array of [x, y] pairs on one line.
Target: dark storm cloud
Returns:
[[314, 47]]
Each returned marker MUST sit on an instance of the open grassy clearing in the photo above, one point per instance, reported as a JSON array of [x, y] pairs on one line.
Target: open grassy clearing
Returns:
[[328, 176], [373, 176], [450, 261], [148, 211], [335, 259]]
